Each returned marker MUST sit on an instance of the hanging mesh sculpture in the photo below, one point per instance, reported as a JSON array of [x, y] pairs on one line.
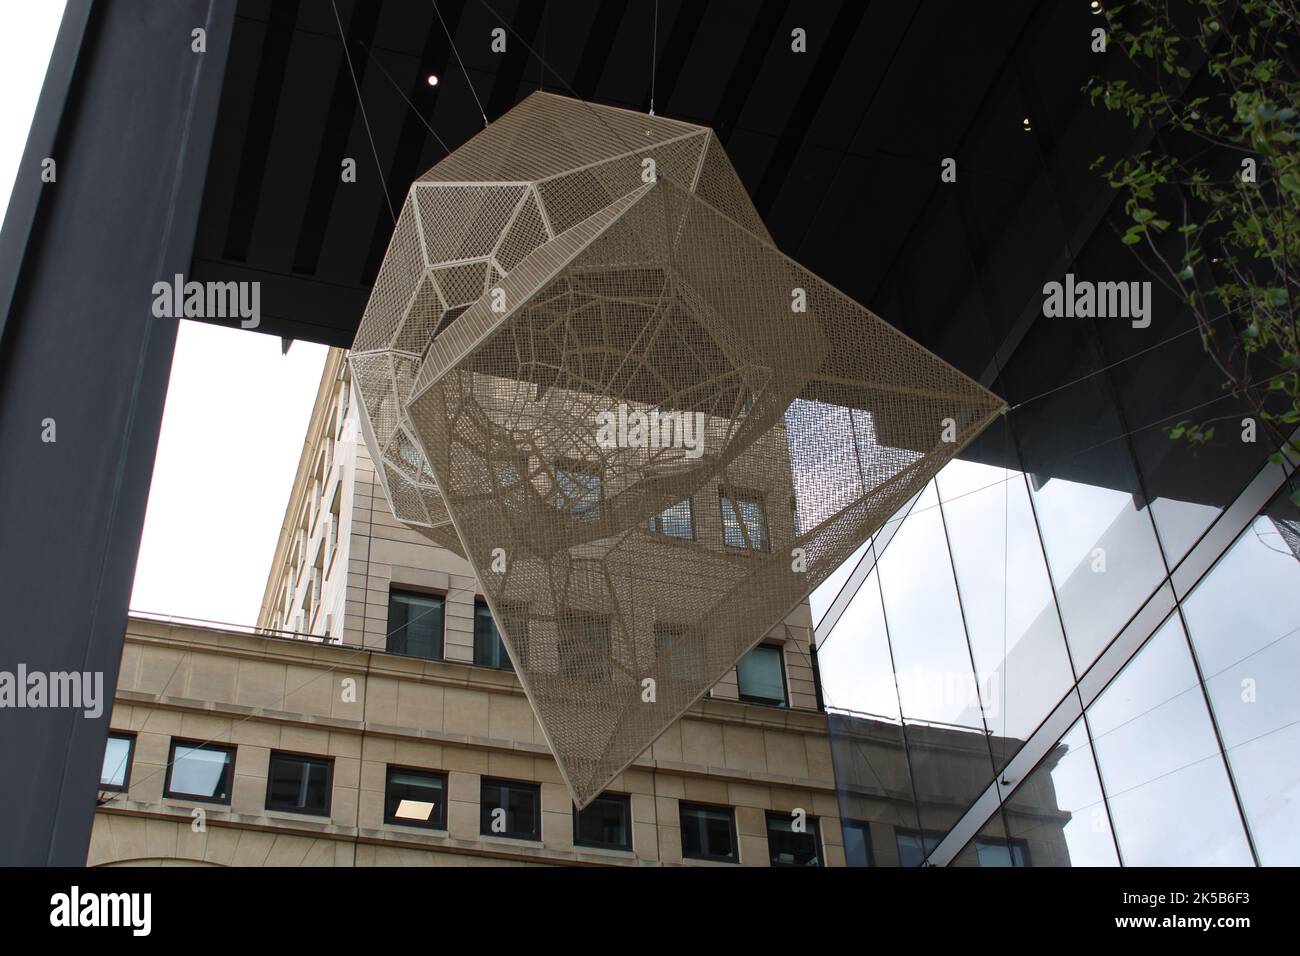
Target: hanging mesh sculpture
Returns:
[[585, 367]]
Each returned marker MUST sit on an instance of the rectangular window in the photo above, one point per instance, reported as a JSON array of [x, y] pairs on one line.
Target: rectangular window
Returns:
[[793, 841], [676, 521], [415, 623], [116, 772], [760, 676], [1001, 853], [744, 520], [857, 842], [489, 651], [709, 833], [505, 482], [605, 822], [200, 771], [510, 809], [416, 798], [584, 646], [299, 784], [578, 488], [679, 650], [914, 847]]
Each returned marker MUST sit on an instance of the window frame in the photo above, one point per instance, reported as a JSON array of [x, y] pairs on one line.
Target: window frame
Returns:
[[785, 680], [934, 836], [626, 801], [684, 646], [819, 845], [568, 623], [129, 737], [329, 783], [485, 812], [389, 630], [685, 805], [586, 469], [1022, 846], [655, 523], [864, 827], [734, 496], [437, 821], [229, 749], [500, 649]]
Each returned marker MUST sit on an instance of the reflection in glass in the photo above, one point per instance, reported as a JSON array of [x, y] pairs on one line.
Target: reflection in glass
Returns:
[[1104, 559], [605, 822], [415, 624], [1244, 620], [1015, 632], [856, 669], [857, 842], [873, 783], [914, 846], [791, 843], [1057, 813], [948, 748], [1160, 764], [760, 676], [201, 772], [117, 761], [931, 657]]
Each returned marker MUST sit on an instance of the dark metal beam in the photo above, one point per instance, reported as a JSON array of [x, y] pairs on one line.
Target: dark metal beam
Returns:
[[135, 108]]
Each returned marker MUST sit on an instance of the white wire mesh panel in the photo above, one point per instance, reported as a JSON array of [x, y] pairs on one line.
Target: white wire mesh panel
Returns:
[[669, 431]]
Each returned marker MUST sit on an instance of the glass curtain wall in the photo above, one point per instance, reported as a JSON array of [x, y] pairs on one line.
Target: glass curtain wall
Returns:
[[957, 646]]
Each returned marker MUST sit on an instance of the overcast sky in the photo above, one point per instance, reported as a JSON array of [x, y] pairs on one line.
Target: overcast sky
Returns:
[[27, 33], [237, 411], [236, 417]]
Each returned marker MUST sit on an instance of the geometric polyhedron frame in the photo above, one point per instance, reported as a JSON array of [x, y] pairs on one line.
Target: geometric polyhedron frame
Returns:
[[585, 367]]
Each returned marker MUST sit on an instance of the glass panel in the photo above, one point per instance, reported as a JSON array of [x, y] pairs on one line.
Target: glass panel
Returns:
[[415, 623], [989, 847], [578, 489], [1100, 543], [999, 853], [708, 833], [584, 646], [1104, 559], [857, 842], [1022, 666], [1058, 813], [415, 799], [872, 780], [676, 521], [857, 671], [605, 822], [1160, 763], [200, 772], [1157, 378], [679, 649], [759, 676], [1244, 619], [947, 747], [520, 802], [914, 847], [299, 784], [828, 590], [790, 847], [744, 521], [489, 651], [117, 760]]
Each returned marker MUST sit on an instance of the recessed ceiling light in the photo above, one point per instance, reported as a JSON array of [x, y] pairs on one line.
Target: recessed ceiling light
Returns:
[[1096, 7], [432, 80], [1027, 126]]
